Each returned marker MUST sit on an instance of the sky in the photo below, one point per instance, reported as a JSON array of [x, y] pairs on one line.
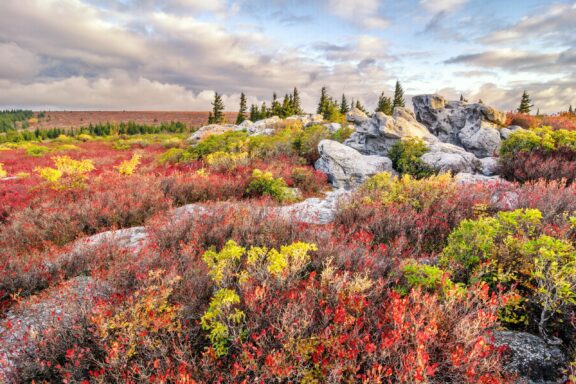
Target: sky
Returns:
[[174, 54]]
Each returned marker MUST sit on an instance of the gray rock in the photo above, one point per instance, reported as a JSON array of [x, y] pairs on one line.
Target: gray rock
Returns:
[[489, 166], [356, 116], [445, 157], [134, 238], [264, 126], [531, 358], [209, 130], [472, 126], [307, 119], [471, 178], [333, 127], [314, 210], [245, 124], [346, 167], [376, 135]]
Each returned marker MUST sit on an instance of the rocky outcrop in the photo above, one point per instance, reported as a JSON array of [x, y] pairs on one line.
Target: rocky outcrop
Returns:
[[473, 178], [506, 132], [531, 358], [346, 167], [475, 127], [445, 157], [489, 166], [376, 135], [314, 210], [307, 119], [209, 130]]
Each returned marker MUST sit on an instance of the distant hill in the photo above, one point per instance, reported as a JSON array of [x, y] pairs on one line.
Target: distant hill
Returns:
[[73, 119]]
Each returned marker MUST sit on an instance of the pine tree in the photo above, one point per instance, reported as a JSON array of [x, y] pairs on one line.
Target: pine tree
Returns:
[[254, 113], [352, 104], [462, 99], [525, 104], [276, 107], [480, 101], [217, 115], [398, 96], [296, 102], [264, 111], [323, 103], [571, 110], [360, 106], [384, 105], [287, 107], [242, 112], [344, 108], [538, 112]]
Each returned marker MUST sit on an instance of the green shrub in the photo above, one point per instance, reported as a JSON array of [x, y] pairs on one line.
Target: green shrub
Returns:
[[306, 143], [512, 250], [342, 134], [37, 150], [426, 277], [233, 141], [406, 158], [264, 184], [543, 139]]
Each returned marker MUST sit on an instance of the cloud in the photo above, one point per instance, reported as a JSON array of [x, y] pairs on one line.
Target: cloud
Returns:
[[364, 13], [553, 25], [17, 63], [519, 61], [436, 6]]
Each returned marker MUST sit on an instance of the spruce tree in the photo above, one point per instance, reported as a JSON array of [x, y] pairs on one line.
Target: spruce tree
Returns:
[[571, 110], [242, 112], [323, 103], [276, 107], [360, 106], [217, 115], [462, 99], [287, 107], [264, 111], [344, 108], [296, 102], [525, 104], [398, 96], [384, 105], [254, 113]]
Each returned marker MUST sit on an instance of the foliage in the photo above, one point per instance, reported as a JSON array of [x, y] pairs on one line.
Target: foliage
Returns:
[[384, 105], [427, 277], [242, 111], [224, 161], [398, 96], [3, 172], [510, 249], [217, 114], [406, 158], [37, 150], [127, 167], [525, 104], [539, 153], [264, 184], [69, 173]]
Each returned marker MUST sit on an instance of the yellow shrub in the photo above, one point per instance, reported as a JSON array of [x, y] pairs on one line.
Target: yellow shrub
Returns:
[[224, 161], [69, 173], [144, 323], [84, 137], [3, 172], [127, 167]]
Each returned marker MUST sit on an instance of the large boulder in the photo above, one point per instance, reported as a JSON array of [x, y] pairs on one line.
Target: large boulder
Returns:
[[476, 126], [506, 132], [531, 358], [346, 167], [209, 130], [376, 135], [307, 119], [264, 126], [445, 157]]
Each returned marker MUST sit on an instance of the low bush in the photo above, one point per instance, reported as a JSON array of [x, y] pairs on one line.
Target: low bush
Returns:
[[226, 162], [539, 153], [265, 184], [406, 158]]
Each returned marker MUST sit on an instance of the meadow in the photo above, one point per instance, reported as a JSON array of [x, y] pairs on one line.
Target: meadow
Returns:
[[407, 285]]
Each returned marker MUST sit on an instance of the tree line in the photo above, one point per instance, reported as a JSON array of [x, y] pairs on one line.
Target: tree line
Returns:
[[328, 106], [9, 118]]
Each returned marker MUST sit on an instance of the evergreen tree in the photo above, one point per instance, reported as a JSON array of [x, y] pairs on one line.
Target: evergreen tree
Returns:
[[398, 96], [276, 108], [360, 106], [538, 112], [242, 112], [217, 115], [254, 113], [462, 99], [384, 105], [352, 104], [344, 108], [264, 111], [287, 107], [323, 103], [296, 102], [480, 101], [525, 104], [571, 110]]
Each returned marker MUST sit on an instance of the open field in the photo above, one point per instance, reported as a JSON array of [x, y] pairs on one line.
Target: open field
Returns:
[[73, 119]]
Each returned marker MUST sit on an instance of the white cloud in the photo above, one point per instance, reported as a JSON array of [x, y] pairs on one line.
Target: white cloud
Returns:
[[442, 5], [17, 63], [365, 13]]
